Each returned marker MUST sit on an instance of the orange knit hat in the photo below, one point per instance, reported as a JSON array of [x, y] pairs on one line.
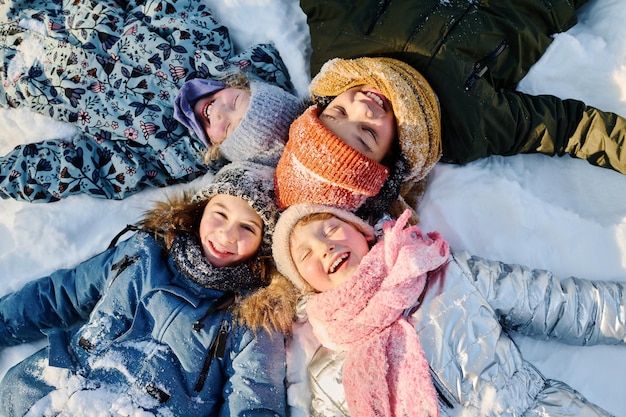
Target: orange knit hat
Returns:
[[318, 167]]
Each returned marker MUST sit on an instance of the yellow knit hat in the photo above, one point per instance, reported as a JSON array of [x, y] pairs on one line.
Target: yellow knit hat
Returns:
[[414, 103]]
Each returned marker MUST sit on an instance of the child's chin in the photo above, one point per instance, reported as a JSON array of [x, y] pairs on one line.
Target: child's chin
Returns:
[[219, 263]]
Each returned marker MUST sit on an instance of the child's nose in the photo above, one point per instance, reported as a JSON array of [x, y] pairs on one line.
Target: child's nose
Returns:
[[363, 111], [217, 111], [228, 232]]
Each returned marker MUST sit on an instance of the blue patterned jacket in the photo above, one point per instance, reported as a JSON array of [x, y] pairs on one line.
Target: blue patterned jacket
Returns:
[[112, 69]]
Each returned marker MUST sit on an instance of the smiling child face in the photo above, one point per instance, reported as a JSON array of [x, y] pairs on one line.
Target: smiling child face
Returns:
[[230, 230], [220, 113], [327, 252], [362, 118]]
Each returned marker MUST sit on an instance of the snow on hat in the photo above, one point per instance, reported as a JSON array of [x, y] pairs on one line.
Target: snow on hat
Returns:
[[252, 183], [287, 221], [414, 103], [318, 167], [264, 128]]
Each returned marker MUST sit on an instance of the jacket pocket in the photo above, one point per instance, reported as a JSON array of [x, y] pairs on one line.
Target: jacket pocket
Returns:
[[482, 65]]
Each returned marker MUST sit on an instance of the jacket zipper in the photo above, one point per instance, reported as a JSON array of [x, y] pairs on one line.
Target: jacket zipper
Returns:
[[444, 395], [216, 350], [218, 345], [480, 66]]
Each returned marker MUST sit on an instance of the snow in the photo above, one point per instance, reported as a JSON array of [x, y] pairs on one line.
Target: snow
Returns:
[[559, 214]]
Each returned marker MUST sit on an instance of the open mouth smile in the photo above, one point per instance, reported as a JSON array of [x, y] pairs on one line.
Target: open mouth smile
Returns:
[[207, 112], [338, 262], [219, 251], [377, 98]]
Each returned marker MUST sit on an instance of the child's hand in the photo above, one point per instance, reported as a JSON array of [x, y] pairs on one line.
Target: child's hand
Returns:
[[429, 253], [396, 235], [408, 253]]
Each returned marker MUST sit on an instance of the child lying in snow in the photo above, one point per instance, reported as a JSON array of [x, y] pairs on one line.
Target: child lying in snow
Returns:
[[375, 133], [152, 86], [410, 328], [169, 322], [473, 54]]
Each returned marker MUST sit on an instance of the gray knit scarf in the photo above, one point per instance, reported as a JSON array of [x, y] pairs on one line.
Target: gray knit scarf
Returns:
[[187, 254]]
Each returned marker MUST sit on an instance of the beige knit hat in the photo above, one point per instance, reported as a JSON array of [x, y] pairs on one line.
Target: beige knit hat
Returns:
[[318, 167], [414, 103], [285, 225]]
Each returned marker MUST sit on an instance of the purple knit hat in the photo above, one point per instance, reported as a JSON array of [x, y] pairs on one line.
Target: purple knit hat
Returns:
[[186, 98]]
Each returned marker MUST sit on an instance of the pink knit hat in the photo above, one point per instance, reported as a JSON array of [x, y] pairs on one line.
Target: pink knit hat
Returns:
[[318, 167], [284, 226]]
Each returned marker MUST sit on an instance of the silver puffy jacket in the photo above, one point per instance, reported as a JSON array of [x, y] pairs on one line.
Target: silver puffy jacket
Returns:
[[463, 322]]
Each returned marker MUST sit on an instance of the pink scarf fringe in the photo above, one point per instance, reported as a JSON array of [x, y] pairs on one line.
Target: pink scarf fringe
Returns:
[[385, 372]]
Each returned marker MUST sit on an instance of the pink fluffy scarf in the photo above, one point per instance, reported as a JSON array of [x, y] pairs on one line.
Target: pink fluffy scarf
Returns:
[[385, 372]]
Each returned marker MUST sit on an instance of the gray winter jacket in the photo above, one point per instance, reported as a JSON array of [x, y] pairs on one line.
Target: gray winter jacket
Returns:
[[463, 321]]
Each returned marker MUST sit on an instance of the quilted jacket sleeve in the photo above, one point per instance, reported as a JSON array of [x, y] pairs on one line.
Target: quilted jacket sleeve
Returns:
[[536, 303]]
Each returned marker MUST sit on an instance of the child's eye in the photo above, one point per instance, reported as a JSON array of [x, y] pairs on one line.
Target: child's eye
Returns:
[[365, 145], [341, 110], [249, 228], [330, 230], [304, 255], [334, 110]]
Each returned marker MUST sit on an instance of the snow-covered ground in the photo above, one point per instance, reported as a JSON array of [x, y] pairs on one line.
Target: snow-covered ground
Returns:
[[555, 213]]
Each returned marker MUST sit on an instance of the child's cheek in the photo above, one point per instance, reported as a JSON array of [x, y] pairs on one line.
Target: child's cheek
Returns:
[[310, 271]]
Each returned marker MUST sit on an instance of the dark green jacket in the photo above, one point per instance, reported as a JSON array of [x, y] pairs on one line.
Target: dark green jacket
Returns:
[[474, 53]]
